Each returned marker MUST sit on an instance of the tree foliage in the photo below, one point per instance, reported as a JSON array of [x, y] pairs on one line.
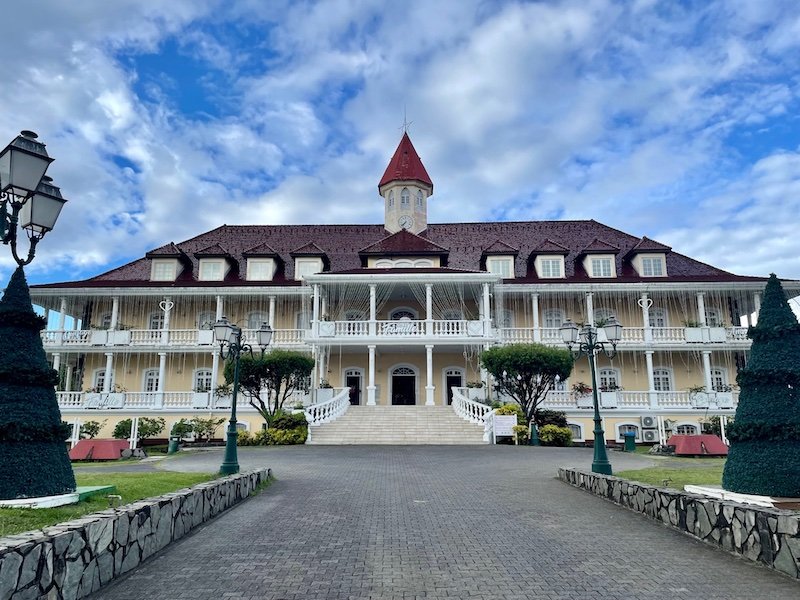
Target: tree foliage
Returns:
[[205, 429], [181, 429], [91, 429], [148, 427], [268, 381], [526, 372], [764, 457]]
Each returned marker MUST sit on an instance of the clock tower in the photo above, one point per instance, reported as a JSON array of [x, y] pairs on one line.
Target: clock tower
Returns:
[[405, 188]]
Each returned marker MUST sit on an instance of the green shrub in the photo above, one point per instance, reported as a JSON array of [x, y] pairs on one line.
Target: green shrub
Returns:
[[205, 429], [260, 438], [523, 434], [551, 435], [122, 430], [181, 429], [551, 417], [244, 438], [287, 421], [147, 428], [512, 409], [281, 437]]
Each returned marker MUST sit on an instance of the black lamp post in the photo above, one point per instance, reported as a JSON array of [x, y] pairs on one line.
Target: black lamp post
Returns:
[[231, 346], [28, 198], [584, 342]]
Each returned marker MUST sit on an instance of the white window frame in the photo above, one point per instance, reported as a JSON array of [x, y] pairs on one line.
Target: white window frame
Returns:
[[628, 426], [657, 313], [302, 319], [550, 267], [719, 378], [405, 197], [501, 265], [260, 269], [605, 374], [714, 317], [420, 198], [211, 269], [206, 319], [150, 376], [255, 318], [391, 198], [163, 269], [388, 263], [156, 321], [603, 314], [105, 321], [659, 373], [678, 426], [598, 266], [98, 377], [505, 319], [548, 318], [306, 266], [652, 266], [203, 380], [403, 309], [580, 437]]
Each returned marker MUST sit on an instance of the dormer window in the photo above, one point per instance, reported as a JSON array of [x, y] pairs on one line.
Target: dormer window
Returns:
[[501, 265], [212, 269], [652, 266], [405, 197], [420, 198], [601, 266], [164, 269], [550, 267], [260, 269], [306, 266]]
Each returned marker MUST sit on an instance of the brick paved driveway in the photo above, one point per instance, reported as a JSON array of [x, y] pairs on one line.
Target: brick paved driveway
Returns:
[[435, 522]]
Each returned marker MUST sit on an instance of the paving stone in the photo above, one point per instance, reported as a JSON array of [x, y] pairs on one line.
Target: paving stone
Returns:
[[436, 523]]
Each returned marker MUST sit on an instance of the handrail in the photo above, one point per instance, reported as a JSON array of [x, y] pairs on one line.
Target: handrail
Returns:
[[330, 410], [472, 411]]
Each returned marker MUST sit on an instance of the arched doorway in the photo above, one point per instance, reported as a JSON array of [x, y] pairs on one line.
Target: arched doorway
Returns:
[[453, 377], [403, 386], [354, 378]]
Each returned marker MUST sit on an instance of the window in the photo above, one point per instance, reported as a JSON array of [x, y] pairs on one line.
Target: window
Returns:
[[662, 380], [577, 431], [719, 380], [100, 379], [601, 267], [256, 318], [391, 199], [156, 320], [686, 429], [150, 380], [504, 267], [387, 263], [553, 318], [212, 270], [206, 319], [203, 380], [713, 317], [402, 313], [652, 267], [306, 266], [105, 322], [260, 269], [420, 198], [404, 197], [627, 428], [164, 270], [302, 320], [608, 379], [551, 268], [658, 317]]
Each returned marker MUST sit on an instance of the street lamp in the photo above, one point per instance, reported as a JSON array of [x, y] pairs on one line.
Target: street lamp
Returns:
[[231, 346], [28, 198], [584, 342]]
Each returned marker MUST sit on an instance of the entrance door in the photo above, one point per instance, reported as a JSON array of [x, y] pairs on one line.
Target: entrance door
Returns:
[[452, 378], [404, 384], [352, 379]]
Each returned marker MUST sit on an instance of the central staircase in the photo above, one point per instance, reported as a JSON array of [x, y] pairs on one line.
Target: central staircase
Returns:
[[398, 425]]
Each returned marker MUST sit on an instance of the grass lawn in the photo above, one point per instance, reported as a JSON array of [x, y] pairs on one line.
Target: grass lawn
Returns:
[[681, 472], [131, 486]]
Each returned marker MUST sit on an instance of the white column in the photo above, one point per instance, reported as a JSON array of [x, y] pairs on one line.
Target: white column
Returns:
[[371, 381], [429, 387], [114, 312], [68, 379], [134, 432], [589, 309], [373, 311], [162, 374], [701, 309], [321, 364], [645, 303], [107, 378], [707, 370], [428, 309], [220, 306], [757, 303], [723, 421], [166, 305], [487, 311], [315, 313], [537, 332], [272, 311], [75, 437], [56, 364], [651, 379], [214, 378], [62, 314], [323, 307]]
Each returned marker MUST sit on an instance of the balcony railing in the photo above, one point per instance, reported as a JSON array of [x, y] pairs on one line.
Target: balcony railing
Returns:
[[180, 401], [156, 337], [403, 328], [636, 400], [638, 335]]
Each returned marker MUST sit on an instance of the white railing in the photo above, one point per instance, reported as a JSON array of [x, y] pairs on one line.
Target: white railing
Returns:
[[146, 337], [155, 337], [401, 328], [516, 335], [633, 399], [142, 399], [178, 399], [56, 337], [182, 337], [668, 335], [559, 399], [736, 334], [552, 335], [472, 411], [288, 336], [325, 412], [347, 328], [673, 400], [69, 399]]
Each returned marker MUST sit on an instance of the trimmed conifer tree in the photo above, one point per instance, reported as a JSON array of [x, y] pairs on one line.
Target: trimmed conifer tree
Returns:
[[764, 456], [33, 455]]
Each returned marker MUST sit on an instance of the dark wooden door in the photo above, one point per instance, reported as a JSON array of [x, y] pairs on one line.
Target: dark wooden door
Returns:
[[354, 383], [403, 390], [451, 381]]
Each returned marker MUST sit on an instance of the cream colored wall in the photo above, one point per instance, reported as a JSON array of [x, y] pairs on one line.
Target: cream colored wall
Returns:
[[611, 423]]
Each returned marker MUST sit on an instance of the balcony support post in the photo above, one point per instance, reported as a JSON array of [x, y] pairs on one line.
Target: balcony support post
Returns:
[[373, 311], [272, 312], [487, 312], [428, 309], [757, 303], [162, 374], [701, 309], [537, 332], [212, 396], [107, 378], [429, 387], [56, 363], [371, 380], [62, 314], [68, 379], [220, 308], [590, 309], [651, 379], [707, 371], [114, 313], [646, 303], [315, 313]]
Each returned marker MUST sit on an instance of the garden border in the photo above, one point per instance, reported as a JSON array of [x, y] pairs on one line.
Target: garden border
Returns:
[[73, 559], [769, 536]]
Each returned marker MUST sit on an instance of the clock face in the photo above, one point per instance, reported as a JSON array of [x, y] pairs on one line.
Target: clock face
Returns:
[[405, 222]]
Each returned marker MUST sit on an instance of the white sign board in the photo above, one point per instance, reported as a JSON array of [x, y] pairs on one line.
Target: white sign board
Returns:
[[503, 426], [107, 400]]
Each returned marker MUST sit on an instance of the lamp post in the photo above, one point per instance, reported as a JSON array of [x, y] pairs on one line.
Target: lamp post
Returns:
[[581, 342], [231, 346], [28, 198]]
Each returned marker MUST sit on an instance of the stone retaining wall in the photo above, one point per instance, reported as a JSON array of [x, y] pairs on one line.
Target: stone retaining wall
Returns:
[[766, 535], [73, 559]]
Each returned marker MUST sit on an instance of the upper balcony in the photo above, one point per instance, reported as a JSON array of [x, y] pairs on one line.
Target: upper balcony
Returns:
[[403, 330], [663, 337]]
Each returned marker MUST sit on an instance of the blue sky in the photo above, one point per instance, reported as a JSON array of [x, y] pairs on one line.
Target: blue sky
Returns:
[[676, 120]]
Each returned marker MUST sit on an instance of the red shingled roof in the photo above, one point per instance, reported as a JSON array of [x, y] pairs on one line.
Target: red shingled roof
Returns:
[[548, 246], [165, 251], [405, 165], [598, 246], [403, 243], [499, 247], [262, 249], [342, 243], [212, 250], [648, 245], [309, 249]]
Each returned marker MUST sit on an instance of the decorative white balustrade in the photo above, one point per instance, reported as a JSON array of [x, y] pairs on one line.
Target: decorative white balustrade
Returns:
[[330, 410], [157, 337], [401, 328], [637, 335], [472, 411]]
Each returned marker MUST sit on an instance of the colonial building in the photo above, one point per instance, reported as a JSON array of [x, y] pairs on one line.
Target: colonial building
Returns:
[[398, 313]]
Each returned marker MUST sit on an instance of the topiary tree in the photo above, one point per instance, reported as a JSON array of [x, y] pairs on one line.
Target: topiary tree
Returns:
[[526, 372], [33, 456], [269, 380], [764, 456]]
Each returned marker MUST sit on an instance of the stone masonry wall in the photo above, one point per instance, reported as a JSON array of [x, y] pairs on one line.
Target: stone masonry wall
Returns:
[[766, 535], [73, 559]]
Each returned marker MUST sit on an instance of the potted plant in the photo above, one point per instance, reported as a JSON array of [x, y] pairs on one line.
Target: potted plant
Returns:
[[325, 391], [475, 390], [609, 395], [692, 331], [698, 396], [583, 395]]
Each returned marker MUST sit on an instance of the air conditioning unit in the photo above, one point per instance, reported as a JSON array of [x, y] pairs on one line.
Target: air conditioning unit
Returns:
[[649, 422], [650, 435]]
